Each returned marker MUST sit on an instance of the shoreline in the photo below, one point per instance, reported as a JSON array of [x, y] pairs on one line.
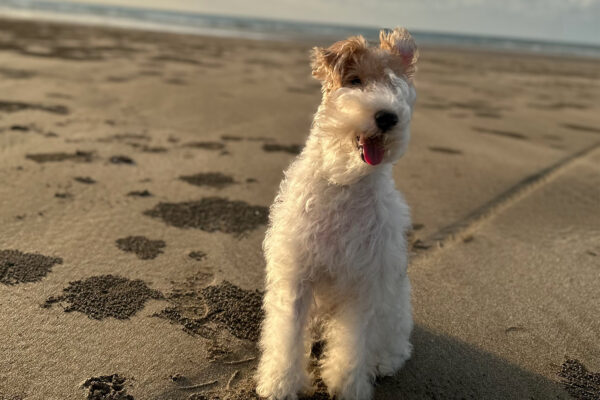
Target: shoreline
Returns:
[[98, 22]]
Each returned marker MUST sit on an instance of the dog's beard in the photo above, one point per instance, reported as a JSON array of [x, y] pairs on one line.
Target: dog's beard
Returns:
[[351, 144]]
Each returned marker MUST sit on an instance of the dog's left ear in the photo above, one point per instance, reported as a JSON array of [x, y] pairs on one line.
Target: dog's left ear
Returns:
[[399, 42], [331, 63]]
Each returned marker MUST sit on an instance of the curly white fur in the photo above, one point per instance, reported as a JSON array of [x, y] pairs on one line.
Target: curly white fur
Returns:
[[336, 253]]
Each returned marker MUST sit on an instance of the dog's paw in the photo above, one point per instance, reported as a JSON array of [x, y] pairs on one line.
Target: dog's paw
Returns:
[[391, 362], [347, 385], [282, 386], [360, 388]]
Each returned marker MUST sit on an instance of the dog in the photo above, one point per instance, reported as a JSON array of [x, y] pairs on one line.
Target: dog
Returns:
[[336, 247]]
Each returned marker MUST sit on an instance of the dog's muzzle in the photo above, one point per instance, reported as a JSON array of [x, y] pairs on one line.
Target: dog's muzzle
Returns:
[[372, 147]]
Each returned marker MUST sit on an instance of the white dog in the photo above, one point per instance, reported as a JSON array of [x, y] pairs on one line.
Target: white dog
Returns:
[[335, 249]]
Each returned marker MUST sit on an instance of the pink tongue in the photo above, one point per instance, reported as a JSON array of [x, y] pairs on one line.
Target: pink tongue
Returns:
[[373, 151]]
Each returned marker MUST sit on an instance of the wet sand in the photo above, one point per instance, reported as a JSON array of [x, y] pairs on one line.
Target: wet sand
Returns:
[[136, 169]]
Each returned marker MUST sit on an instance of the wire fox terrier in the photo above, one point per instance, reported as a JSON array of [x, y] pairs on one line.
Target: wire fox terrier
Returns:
[[335, 249]]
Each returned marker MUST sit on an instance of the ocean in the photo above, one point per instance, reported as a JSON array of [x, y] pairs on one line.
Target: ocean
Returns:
[[257, 28]]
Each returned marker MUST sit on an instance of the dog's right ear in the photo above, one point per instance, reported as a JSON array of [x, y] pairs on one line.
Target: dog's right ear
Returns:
[[400, 43], [330, 64]]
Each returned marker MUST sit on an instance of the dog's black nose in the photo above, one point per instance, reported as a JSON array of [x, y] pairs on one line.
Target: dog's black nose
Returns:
[[385, 120]]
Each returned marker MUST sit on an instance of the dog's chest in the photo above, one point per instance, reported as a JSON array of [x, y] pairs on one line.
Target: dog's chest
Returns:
[[357, 227]]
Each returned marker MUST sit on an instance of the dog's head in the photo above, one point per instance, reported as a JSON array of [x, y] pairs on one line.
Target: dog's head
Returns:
[[368, 95]]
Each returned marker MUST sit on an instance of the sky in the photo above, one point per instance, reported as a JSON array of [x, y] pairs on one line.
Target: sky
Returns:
[[553, 20]]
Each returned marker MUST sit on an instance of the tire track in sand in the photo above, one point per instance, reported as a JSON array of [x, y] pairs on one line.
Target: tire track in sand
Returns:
[[462, 229]]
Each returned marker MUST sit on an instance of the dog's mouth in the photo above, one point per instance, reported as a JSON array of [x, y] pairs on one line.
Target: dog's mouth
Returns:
[[372, 149]]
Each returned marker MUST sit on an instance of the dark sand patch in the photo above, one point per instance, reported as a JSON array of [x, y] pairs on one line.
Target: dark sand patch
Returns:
[[206, 145], [560, 105], [139, 193], [468, 239], [251, 180], [212, 214], [212, 179], [126, 136], [78, 156], [417, 226], [446, 150], [483, 114], [175, 81], [582, 128], [118, 79], [143, 247], [292, 148], [84, 179], [20, 128], [11, 397], [420, 245], [510, 134], [35, 45], [10, 73], [31, 128], [234, 138], [107, 387], [105, 296], [17, 267], [237, 310], [153, 149], [14, 106], [176, 59], [63, 195], [57, 95], [121, 160], [129, 138], [579, 382], [197, 255]]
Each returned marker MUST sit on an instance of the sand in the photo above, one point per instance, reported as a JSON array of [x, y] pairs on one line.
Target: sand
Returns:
[[143, 247], [137, 168]]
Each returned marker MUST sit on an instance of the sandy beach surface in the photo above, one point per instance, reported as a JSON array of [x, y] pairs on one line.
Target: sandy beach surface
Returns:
[[136, 171]]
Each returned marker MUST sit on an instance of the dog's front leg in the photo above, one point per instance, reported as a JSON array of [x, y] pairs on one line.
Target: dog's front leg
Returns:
[[347, 368], [282, 370]]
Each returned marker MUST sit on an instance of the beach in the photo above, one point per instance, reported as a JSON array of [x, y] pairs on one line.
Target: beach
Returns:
[[136, 172]]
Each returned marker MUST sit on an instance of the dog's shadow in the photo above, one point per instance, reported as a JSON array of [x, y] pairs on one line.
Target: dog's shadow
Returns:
[[444, 368]]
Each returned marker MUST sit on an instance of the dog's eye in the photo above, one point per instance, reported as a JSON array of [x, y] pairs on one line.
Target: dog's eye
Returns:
[[354, 81]]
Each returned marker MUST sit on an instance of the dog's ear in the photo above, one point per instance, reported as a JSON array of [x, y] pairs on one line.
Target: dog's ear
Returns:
[[400, 43], [330, 63]]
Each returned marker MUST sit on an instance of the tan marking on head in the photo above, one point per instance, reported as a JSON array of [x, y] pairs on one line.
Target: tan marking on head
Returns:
[[346, 60], [332, 64]]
